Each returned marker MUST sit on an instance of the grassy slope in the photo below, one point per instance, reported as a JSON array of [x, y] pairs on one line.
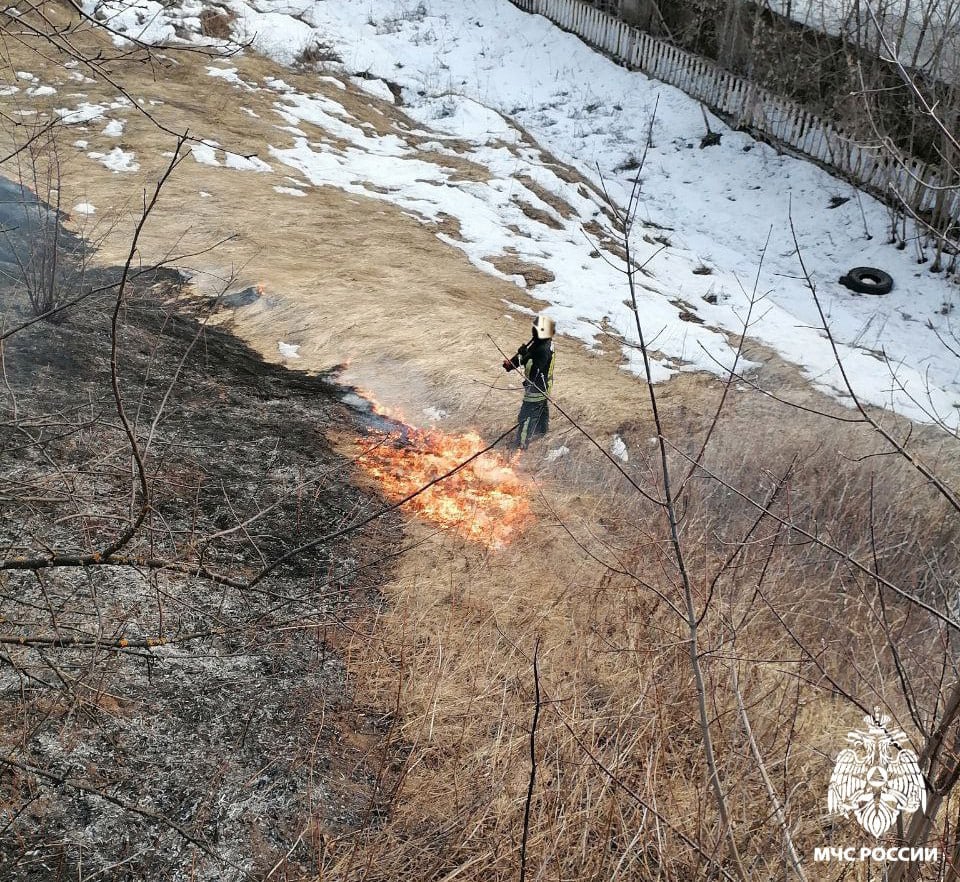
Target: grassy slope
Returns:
[[449, 660]]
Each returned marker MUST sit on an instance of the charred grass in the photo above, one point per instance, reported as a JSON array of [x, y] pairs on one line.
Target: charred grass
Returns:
[[138, 698]]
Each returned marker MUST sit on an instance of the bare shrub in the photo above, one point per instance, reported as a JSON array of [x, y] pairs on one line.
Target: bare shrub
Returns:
[[319, 53], [46, 261], [216, 23]]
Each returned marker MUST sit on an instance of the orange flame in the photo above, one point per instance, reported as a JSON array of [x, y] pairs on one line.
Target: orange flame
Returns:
[[486, 501]]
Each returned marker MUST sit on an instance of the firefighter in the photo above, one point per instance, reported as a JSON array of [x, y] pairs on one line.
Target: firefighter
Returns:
[[536, 358]]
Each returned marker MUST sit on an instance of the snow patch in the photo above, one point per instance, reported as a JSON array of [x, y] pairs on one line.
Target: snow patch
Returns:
[[330, 116], [290, 191], [230, 75], [84, 208], [377, 88], [289, 350], [144, 20], [85, 112], [246, 163], [278, 85], [618, 448], [117, 160], [204, 153]]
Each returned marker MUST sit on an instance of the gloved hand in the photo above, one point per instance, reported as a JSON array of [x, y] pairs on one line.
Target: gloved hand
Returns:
[[507, 364]]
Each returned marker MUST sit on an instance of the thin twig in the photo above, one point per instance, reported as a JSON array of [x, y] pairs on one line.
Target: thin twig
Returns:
[[533, 761]]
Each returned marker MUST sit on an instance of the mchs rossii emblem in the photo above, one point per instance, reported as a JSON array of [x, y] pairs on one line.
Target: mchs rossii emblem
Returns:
[[877, 777]]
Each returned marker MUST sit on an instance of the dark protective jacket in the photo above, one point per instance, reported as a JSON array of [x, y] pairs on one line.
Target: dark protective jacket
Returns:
[[536, 358]]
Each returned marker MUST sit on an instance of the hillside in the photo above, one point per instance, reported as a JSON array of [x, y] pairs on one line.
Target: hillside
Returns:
[[347, 680]]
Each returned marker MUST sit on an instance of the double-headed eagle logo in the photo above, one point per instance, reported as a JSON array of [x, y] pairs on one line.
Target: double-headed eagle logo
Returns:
[[876, 778]]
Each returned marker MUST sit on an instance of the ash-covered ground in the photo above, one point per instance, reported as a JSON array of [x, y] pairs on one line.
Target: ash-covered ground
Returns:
[[165, 713]]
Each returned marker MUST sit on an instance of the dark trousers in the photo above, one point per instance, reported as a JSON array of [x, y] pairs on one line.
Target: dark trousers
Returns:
[[534, 420]]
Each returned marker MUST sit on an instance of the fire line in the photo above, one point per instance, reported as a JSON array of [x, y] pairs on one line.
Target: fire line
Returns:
[[486, 501]]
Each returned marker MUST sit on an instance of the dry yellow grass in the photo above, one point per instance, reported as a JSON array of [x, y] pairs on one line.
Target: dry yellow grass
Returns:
[[452, 658]]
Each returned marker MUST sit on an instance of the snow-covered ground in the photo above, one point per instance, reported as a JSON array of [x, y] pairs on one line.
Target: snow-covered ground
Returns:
[[479, 71]]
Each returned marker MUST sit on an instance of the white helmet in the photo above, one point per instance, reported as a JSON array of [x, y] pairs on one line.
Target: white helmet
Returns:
[[544, 327]]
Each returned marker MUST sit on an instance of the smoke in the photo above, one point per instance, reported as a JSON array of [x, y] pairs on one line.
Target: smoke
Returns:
[[402, 391]]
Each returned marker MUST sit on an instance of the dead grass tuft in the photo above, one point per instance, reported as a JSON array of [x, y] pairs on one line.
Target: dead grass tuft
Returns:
[[537, 214], [533, 274], [448, 225], [602, 236], [216, 23], [560, 206], [317, 54]]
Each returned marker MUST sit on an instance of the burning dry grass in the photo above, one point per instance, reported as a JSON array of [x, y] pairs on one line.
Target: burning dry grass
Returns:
[[485, 500]]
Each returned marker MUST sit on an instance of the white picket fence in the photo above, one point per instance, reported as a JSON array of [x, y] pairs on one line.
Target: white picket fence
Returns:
[[875, 168]]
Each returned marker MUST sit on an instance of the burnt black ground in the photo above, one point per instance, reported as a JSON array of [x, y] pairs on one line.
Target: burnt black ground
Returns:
[[34, 245], [241, 737]]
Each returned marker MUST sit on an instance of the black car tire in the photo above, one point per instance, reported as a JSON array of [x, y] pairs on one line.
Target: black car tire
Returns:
[[868, 280]]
